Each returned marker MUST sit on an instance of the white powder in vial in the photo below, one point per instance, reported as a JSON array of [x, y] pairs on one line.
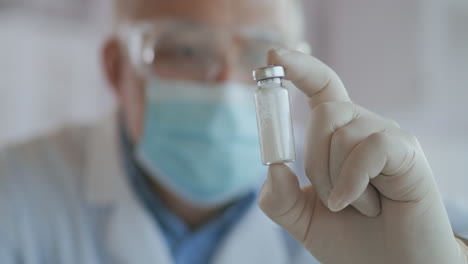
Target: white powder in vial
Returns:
[[274, 122]]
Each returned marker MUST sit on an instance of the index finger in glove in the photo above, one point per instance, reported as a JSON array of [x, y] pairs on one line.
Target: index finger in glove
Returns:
[[320, 83]]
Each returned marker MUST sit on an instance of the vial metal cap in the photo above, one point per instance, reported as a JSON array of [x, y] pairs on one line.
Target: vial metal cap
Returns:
[[268, 72]]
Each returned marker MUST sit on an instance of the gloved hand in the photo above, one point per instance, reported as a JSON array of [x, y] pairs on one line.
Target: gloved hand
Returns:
[[358, 158]]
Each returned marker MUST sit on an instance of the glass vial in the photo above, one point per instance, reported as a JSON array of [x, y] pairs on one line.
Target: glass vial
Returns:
[[273, 116]]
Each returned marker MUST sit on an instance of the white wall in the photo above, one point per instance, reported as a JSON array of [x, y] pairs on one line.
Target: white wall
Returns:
[[50, 74]]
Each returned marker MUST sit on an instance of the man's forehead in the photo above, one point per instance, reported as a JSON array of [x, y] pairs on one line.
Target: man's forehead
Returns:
[[273, 14]]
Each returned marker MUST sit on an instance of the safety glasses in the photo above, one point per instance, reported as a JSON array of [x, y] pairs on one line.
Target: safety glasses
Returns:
[[183, 50]]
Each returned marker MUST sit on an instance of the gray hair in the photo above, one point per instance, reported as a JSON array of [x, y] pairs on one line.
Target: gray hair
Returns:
[[122, 10]]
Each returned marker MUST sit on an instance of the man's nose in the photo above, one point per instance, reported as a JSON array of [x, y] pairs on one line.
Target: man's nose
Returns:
[[225, 73], [230, 70]]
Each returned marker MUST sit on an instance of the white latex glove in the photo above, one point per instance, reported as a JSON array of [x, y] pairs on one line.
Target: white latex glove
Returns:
[[353, 156]]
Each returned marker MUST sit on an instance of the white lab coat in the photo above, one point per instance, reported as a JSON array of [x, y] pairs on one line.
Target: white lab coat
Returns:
[[64, 199]]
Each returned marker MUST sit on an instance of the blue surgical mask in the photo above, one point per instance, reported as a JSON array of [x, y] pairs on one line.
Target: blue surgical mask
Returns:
[[200, 141]]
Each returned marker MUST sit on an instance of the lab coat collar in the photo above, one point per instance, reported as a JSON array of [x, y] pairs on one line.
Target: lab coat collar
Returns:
[[131, 235], [105, 180], [132, 231]]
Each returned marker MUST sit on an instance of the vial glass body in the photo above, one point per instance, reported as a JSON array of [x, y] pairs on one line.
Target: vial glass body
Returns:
[[274, 122]]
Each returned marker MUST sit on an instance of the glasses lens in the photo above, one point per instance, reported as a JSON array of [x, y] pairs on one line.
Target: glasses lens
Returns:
[[183, 55], [199, 53]]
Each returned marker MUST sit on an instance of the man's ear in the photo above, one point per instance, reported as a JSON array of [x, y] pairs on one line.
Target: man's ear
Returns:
[[112, 62]]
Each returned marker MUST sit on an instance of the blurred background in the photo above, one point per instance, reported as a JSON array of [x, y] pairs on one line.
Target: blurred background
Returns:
[[407, 60]]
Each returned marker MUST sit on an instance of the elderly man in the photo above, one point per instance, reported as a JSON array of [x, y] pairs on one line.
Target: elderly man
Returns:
[[172, 178]]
